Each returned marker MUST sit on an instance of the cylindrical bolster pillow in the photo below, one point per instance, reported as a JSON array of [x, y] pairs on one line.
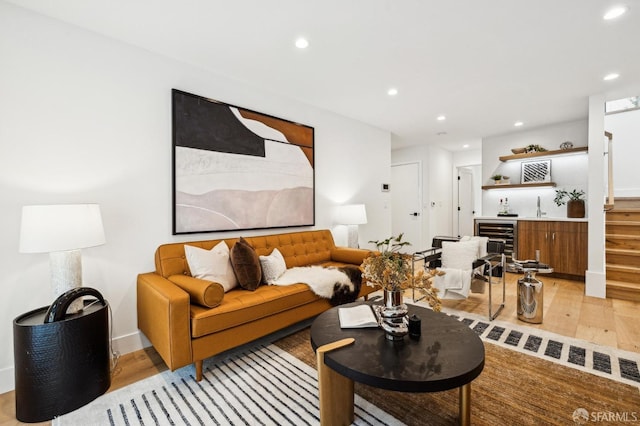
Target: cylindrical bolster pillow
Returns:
[[349, 255], [206, 293]]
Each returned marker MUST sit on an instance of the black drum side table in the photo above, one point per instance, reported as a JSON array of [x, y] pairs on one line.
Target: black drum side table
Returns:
[[62, 364]]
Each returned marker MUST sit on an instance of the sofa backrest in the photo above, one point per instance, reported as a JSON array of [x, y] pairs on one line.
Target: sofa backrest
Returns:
[[298, 249]]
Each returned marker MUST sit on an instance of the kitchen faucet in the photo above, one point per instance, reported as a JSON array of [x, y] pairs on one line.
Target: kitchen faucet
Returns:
[[539, 212]]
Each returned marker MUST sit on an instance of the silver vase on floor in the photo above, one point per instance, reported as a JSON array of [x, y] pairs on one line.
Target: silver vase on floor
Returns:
[[394, 315]]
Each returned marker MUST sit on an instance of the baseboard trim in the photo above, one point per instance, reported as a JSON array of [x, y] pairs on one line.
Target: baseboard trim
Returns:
[[130, 343], [596, 284], [121, 345], [7, 380]]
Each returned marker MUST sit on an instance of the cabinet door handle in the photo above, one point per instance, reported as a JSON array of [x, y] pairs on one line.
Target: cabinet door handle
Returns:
[[553, 237]]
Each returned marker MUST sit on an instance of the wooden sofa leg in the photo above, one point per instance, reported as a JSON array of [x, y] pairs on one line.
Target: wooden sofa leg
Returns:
[[198, 365]]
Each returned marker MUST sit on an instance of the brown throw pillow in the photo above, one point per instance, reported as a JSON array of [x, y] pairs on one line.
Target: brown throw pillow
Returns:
[[246, 265]]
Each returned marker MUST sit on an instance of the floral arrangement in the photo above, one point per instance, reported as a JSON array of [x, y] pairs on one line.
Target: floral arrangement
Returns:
[[393, 270]]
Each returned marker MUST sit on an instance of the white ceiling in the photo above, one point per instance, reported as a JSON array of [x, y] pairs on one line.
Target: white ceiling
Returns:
[[483, 63]]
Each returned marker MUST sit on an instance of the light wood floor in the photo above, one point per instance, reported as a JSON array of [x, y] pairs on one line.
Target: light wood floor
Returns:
[[566, 311]]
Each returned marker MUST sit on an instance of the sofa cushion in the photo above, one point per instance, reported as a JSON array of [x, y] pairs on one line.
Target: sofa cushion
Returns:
[[241, 306], [212, 265], [205, 293], [246, 265], [273, 266]]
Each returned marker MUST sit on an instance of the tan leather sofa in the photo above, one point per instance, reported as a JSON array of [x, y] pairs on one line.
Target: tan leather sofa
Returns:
[[184, 332]]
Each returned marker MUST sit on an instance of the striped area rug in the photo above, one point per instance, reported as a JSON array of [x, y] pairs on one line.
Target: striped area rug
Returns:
[[260, 386], [605, 361]]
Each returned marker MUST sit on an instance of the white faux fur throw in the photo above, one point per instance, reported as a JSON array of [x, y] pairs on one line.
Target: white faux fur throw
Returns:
[[321, 280]]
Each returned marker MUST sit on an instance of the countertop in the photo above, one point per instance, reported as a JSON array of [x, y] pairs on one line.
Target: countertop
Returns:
[[543, 219]]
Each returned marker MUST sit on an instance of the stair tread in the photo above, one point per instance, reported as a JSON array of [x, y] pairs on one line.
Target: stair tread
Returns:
[[621, 268], [630, 252], [622, 236], [621, 284], [625, 209], [623, 222]]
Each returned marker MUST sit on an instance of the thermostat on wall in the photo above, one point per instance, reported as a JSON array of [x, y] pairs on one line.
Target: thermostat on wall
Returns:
[[385, 187]]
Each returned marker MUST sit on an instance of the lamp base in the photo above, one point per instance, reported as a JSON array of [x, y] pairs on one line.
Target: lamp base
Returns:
[[352, 236], [66, 274]]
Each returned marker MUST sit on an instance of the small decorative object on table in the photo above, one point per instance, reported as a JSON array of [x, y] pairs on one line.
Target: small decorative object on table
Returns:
[[415, 326], [392, 271]]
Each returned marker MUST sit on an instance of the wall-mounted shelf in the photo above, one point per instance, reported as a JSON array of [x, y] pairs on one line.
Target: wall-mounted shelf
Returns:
[[519, 185], [543, 154]]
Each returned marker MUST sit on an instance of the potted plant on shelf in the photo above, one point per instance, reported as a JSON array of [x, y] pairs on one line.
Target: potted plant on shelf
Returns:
[[534, 148], [574, 201], [500, 179]]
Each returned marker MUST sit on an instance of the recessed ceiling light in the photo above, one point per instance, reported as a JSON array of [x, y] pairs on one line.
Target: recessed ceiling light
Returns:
[[392, 92], [441, 118], [518, 123], [611, 76], [466, 145], [302, 43], [615, 12]]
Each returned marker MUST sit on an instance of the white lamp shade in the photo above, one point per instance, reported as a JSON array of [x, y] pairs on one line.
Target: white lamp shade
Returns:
[[60, 227], [351, 214]]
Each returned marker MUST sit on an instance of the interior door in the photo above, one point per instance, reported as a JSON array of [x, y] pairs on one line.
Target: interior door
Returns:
[[406, 204], [465, 201]]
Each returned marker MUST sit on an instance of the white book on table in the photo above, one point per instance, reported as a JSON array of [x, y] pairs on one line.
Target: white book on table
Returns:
[[360, 316]]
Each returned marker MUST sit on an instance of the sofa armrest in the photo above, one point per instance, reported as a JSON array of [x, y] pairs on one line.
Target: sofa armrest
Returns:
[[354, 256], [164, 317]]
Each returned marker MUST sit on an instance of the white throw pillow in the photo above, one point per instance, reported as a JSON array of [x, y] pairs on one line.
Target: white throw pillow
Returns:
[[459, 255], [273, 266], [482, 244], [212, 265]]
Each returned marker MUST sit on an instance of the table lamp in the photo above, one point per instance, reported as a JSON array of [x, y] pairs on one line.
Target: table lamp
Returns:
[[352, 215], [62, 230]]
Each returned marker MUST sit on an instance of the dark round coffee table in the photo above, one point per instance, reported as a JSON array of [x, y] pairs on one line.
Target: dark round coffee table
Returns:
[[447, 355]]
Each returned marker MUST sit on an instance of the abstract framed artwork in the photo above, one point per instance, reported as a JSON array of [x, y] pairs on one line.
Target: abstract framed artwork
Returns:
[[536, 171], [238, 169]]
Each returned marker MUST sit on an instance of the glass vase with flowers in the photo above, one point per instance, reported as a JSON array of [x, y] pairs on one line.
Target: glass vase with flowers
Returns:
[[394, 272]]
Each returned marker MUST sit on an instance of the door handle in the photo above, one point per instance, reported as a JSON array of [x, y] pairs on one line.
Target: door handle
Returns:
[[414, 214]]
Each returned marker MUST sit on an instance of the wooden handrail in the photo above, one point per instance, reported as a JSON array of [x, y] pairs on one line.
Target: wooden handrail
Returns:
[[610, 199]]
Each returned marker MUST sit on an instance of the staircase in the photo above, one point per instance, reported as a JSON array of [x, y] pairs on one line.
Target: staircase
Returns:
[[622, 250]]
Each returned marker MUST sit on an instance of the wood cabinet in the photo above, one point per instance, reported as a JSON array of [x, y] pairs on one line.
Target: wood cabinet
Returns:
[[562, 245]]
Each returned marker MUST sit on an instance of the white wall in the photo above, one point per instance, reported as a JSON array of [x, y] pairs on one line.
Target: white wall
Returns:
[[567, 171], [88, 119], [437, 187], [625, 127]]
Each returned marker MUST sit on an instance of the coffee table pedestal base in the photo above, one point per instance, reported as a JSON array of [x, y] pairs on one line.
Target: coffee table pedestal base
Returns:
[[335, 390]]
